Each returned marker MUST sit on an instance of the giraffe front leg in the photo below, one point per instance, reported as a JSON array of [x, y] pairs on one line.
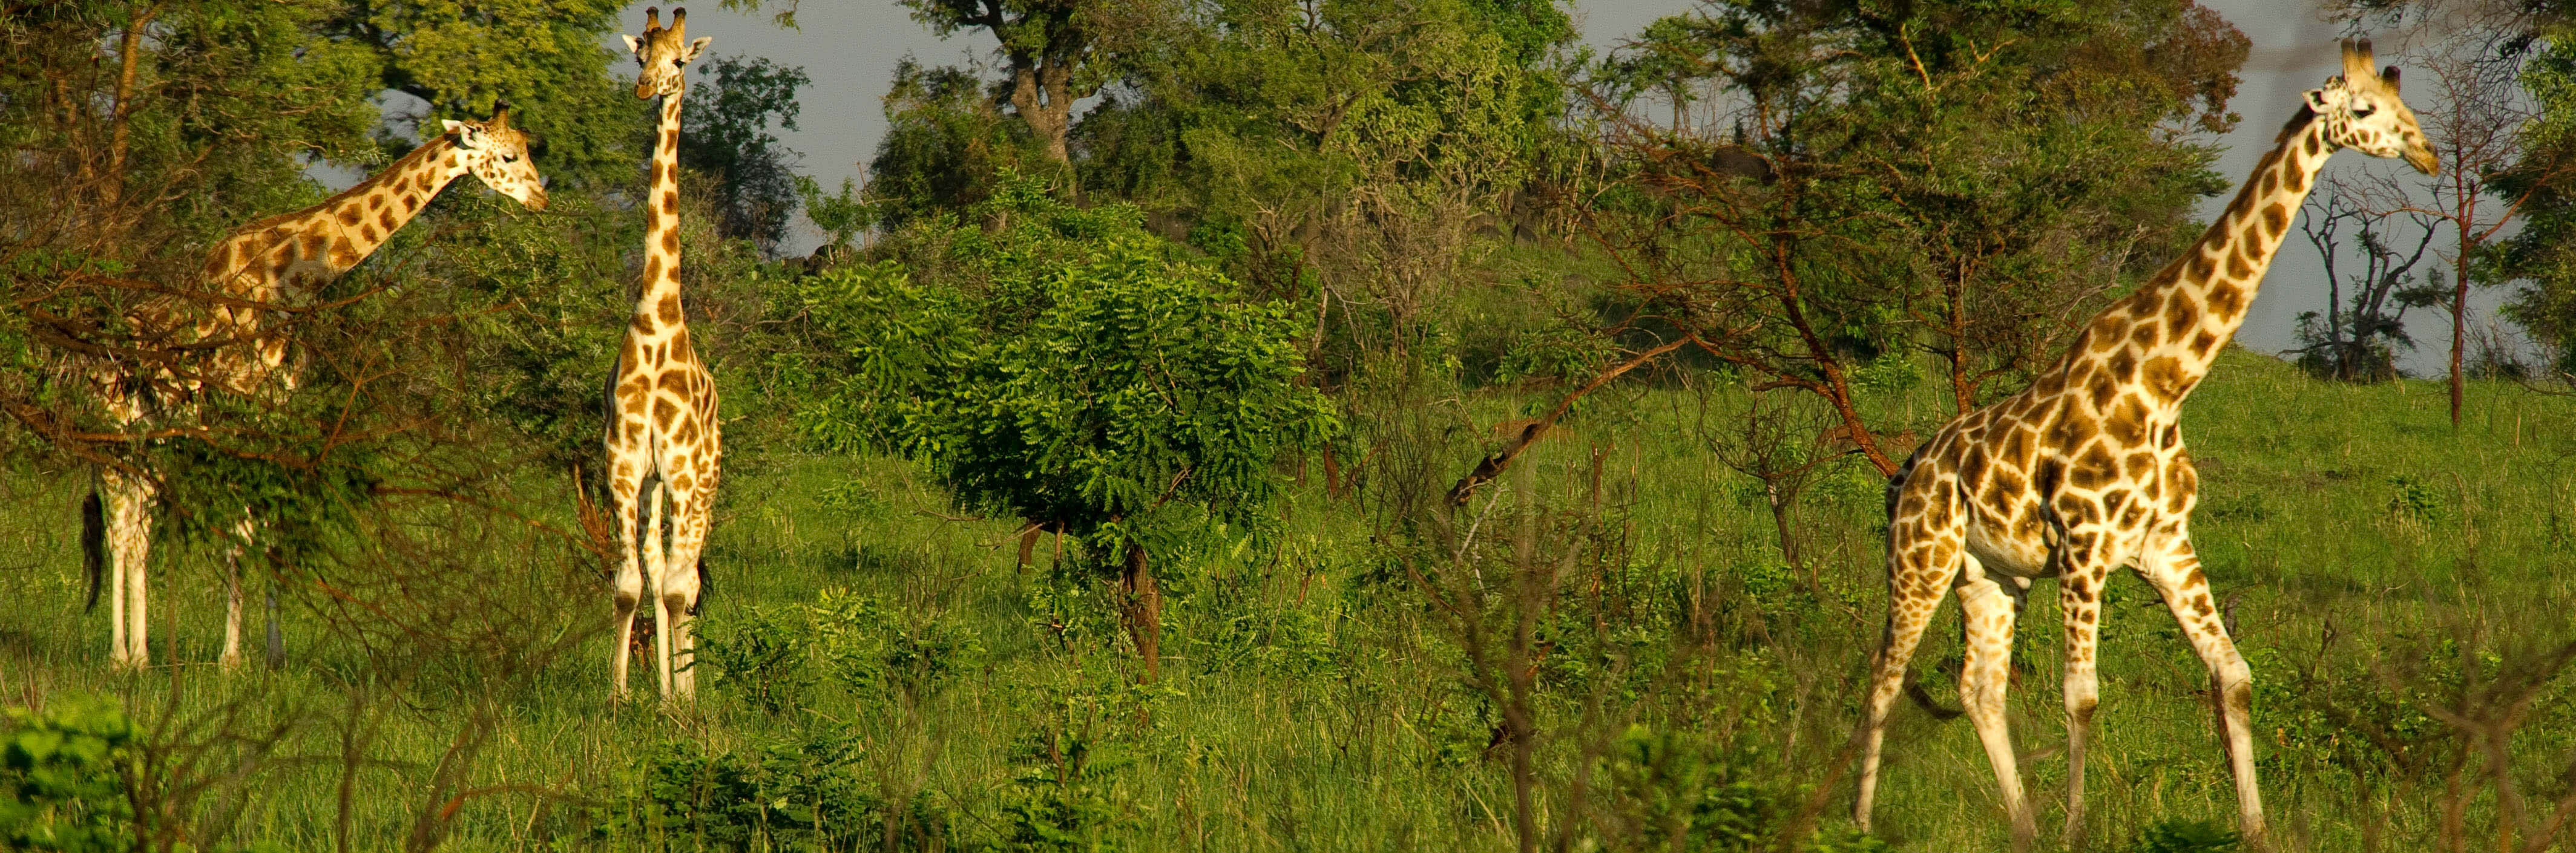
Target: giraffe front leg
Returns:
[[1921, 560], [657, 559], [2079, 602], [1988, 616], [2173, 567], [680, 588], [623, 484]]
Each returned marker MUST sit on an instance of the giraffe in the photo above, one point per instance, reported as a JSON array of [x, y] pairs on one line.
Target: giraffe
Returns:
[[2085, 470], [252, 269], [662, 422]]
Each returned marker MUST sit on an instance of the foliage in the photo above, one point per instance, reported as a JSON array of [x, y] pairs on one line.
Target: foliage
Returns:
[[806, 791], [945, 145], [63, 777], [2181, 836], [728, 140], [544, 57]]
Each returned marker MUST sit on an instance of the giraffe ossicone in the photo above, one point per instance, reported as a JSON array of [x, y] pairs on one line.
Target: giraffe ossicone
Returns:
[[2085, 470], [257, 269], [662, 426]]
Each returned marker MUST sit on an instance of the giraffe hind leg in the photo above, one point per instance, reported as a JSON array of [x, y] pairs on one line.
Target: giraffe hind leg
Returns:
[[1987, 627], [1922, 558]]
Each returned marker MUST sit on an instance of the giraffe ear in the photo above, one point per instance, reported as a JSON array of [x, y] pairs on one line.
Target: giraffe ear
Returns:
[[633, 46], [467, 134], [2316, 99], [691, 54]]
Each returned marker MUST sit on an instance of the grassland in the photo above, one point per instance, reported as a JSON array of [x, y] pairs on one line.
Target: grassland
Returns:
[[928, 693]]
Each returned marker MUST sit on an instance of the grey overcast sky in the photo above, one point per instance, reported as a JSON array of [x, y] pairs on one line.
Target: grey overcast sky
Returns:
[[849, 48]]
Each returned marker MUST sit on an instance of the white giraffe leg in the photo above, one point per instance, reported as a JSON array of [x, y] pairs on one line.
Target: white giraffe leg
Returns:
[[242, 534], [1987, 623], [129, 532], [679, 587], [624, 482], [2173, 567], [657, 559]]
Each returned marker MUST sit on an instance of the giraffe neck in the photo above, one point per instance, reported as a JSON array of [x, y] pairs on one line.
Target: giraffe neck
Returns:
[[659, 304], [2184, 315], [353, 224]]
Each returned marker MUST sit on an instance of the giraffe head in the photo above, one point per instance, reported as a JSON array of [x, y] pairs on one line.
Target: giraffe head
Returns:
[[2361, 112], [662, 52], [499, 154]]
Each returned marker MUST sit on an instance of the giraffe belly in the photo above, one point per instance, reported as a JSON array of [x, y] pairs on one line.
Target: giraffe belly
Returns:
[[1991, 541]]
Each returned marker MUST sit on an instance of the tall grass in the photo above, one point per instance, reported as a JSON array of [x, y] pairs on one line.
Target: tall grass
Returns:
[[933, 694]]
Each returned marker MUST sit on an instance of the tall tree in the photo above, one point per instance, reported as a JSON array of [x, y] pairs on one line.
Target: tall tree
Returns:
[[729, 141], [1055, 52], [1966, 179], [133, 133], [543, 56]]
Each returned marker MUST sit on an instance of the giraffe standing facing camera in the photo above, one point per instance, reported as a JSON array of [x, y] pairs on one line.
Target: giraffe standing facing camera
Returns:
[[2085, 471], [662, 424]]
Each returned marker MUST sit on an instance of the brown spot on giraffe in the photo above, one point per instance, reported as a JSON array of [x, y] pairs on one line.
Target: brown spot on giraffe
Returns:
[[2226, 300], [2124, 363], [669, 310]]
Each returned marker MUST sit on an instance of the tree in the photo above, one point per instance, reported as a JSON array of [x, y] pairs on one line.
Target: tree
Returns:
[[729, 141], [134, 132], [1968, 180], [2359, 339], [543, 56], [1341, 151], [1056, 52], [946, 144], [2475, 54], [1068, 370]]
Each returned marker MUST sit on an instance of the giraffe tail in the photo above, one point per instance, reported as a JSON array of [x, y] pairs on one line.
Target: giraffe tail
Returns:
[[706, 586], [93, 544]]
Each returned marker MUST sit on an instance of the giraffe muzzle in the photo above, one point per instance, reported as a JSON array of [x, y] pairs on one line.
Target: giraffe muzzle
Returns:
[[2423, 159]]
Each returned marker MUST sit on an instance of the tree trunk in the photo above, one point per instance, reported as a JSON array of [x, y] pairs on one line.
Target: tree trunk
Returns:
[[1143, 605], [1041, 94], [2459, 326]]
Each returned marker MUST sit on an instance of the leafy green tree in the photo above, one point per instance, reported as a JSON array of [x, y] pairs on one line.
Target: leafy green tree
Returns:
[[729, 141], [1356, 142], [1055, 52], [946, 144], [1934, 178], [135, 132], [1070, 370], [544, 57]]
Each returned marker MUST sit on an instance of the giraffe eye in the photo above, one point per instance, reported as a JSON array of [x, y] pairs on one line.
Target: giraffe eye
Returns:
[[509, 158], [2364, 111]]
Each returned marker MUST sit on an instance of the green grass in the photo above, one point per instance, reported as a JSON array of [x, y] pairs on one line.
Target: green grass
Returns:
[[1313, 701]]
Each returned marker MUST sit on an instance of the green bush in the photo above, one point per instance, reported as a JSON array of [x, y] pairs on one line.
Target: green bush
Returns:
[[63, 778]]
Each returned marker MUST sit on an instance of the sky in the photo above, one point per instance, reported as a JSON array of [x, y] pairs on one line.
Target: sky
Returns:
[[849, 48]]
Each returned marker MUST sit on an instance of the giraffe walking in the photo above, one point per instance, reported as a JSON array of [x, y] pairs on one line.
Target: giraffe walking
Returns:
[[253, 269], [2085, 470], [662, 427]]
